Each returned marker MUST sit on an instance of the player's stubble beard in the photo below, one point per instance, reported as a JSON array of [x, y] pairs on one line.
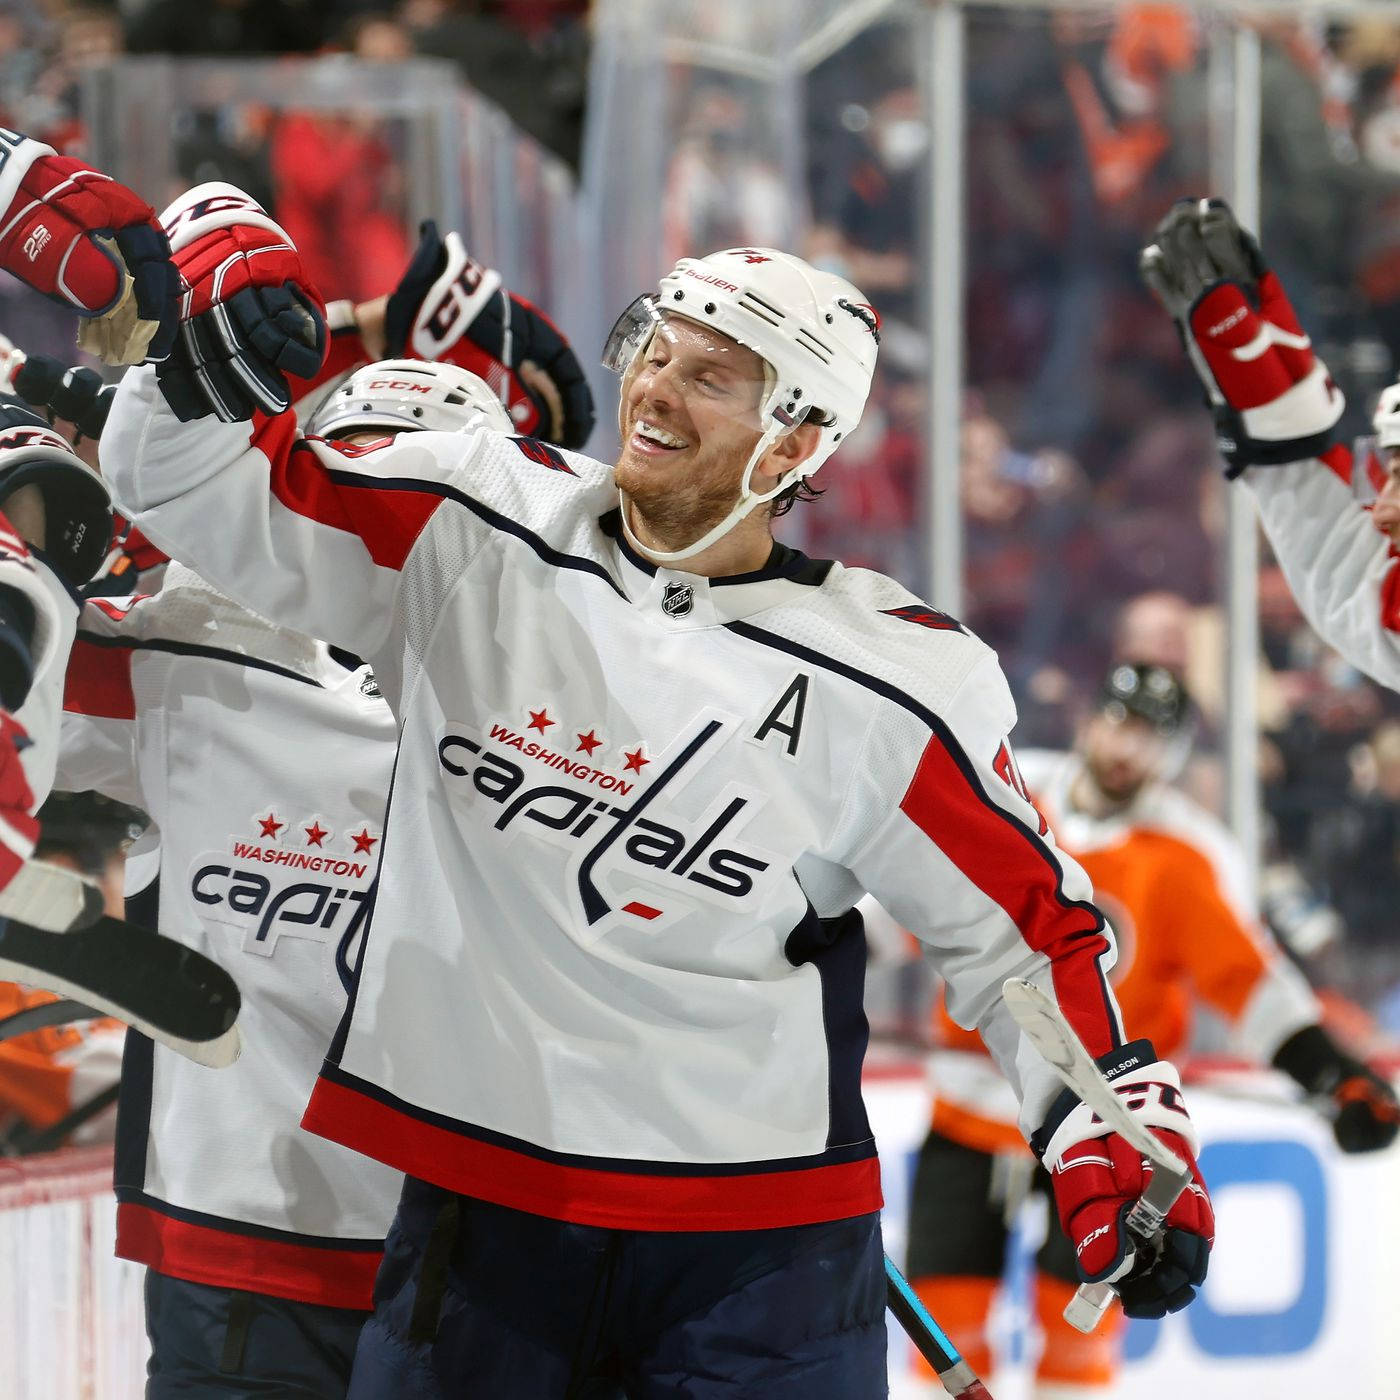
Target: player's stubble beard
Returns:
[[673, 504]]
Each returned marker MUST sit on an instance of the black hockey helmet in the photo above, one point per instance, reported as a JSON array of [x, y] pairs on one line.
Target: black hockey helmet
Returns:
[[1152, 693]]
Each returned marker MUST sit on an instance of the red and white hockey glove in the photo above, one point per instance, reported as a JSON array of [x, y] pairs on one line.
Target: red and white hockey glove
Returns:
[[1097, 1177], [449, 307], [89, 243], [249, 316], [1272, 398]]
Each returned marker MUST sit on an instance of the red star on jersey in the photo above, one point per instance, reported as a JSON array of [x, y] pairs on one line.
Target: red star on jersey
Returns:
[[587, 743], [635, 761], [270, 825], [364, 842], [539, 719], [316, 833]]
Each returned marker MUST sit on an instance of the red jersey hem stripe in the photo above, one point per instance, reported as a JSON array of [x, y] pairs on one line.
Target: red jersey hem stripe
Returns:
[[334, 1278], [584, 1195]]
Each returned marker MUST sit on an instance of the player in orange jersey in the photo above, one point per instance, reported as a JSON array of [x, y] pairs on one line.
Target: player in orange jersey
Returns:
[[1169, 877]]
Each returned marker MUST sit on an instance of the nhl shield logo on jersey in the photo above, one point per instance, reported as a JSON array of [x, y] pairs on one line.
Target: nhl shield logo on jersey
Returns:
[[677, 599]]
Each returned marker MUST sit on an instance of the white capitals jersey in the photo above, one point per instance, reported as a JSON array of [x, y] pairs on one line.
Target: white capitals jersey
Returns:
[[597, 985], [265, 765], [1344, 573]]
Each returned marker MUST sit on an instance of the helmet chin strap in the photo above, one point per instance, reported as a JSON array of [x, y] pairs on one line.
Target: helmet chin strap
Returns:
[[742, 507]]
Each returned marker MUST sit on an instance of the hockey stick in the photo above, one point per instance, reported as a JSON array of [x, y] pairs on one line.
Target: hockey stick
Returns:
[[50, 897], [1044, 1023], [43, 1016], [155, 984], [957, 1376]]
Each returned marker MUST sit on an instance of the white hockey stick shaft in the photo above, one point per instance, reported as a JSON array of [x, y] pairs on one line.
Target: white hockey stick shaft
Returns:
[[1040, 1017], [51, 898]]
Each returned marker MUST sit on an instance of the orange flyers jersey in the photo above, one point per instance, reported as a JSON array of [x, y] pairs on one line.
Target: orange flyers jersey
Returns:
[[45, 1074], [1170, 879]]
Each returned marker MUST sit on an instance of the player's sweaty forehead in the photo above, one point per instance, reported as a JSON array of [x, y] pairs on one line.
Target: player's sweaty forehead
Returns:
[[700, 347]]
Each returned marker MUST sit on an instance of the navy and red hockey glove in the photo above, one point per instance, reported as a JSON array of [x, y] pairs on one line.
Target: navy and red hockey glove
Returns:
[[1364, 1111], [449, 307], [89, 243], [1097, 1177], [249, 317], [1272, 398]]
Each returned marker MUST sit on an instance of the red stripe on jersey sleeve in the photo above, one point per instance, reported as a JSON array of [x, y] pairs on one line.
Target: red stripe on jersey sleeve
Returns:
[[387, 519], [1015, 869], [334, 1278], [98, 682]]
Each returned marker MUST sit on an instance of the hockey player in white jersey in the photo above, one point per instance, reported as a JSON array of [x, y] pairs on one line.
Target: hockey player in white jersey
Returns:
[[608, 1012], [1277, 413], [265, 763]]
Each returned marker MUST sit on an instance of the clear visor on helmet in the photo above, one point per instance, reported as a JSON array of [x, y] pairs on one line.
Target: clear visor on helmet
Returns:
[[731, 378], [1372, 458], [630, 332]]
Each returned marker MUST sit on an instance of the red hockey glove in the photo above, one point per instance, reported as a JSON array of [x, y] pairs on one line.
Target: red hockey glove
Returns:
[[448, 307], [249, 316], [19, 832], [1364, 1111], [1097, 1178], [87, 242], [1273, 399]]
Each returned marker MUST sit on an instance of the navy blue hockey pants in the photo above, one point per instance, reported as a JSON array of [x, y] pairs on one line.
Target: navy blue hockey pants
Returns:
[[221, 1342], [476, 1300]]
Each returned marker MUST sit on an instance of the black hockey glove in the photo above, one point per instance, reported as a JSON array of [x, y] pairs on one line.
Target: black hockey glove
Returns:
[[449, 307], [1366, 1114]]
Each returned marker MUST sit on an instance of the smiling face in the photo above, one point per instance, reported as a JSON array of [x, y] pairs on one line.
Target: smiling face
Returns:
[[690, 422]]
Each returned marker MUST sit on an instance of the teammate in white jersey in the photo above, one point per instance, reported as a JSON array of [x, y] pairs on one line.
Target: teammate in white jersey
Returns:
[[260, 1263], [1277, 413], [608, 1012]]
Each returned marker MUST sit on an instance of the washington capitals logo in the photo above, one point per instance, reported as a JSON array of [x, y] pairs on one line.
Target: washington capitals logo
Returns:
[[865, 313], [677, 599]]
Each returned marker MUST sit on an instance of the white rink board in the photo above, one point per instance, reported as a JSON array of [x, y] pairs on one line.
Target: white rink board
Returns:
[[1304, 1288], [1302, 1299]]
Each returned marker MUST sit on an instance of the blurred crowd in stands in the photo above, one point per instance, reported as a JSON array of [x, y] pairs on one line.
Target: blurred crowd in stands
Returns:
[[1093, 504]]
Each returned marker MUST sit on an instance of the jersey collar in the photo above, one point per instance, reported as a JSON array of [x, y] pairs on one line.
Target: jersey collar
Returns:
[[687, 602]]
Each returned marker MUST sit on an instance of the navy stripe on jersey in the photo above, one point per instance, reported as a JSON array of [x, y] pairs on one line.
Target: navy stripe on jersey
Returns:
[[955, 753], [174, 648], [836, 948], [494, 518], [134, 1107], [630, 1166], [130, 1195]]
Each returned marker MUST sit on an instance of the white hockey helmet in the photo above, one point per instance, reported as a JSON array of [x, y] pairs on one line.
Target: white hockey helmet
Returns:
[[1386, 420], [394, 395], [815, 331]]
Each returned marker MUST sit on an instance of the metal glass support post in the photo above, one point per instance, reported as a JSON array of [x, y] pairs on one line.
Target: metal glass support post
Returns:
[[944, 308], [1242, 796]]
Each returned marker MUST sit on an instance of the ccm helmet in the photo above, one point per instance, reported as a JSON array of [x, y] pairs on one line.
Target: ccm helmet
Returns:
[[394, 395], [815, 332]]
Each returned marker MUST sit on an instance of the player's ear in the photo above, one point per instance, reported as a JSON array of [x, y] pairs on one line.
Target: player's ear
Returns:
[[790, 450]]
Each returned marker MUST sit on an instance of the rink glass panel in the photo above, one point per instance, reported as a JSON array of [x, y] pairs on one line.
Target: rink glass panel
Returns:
[[350, 156]]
